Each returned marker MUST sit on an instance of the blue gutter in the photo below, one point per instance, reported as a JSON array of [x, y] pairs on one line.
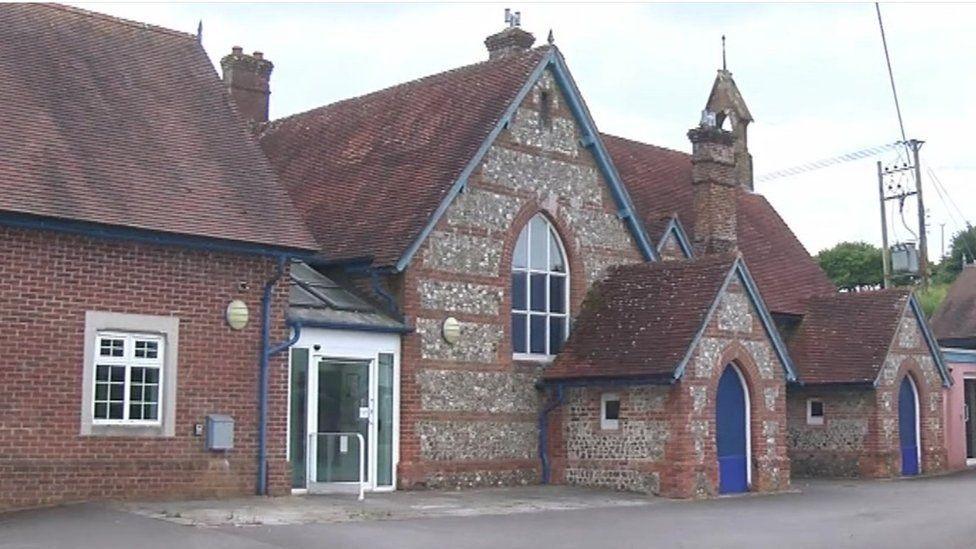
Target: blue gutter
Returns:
[[930, 341], [329, 325], [739, 269], [146, 236], [267, 351], [544, 433], [591, 140], [964, 356], [679, 233]]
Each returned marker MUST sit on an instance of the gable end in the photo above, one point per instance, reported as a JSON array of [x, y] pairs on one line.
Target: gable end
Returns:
[[590, 139]]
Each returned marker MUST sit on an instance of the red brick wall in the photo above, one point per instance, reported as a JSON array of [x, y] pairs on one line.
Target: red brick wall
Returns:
[[47, 282]]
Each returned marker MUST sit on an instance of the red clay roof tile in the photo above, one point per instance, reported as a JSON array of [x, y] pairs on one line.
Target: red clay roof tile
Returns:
[[368, 173], [641, 319], [120, 123], [659, 181], [844, 338]]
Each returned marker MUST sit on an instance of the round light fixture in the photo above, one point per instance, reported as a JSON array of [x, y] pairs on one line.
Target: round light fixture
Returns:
[[237, 314], [451, 330]]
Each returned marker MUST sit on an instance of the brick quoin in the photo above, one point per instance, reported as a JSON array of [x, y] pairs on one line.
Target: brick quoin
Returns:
[[48, 281]]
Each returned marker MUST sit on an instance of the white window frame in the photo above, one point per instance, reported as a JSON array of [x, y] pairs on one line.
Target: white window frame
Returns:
[[812, 419], [605, 423], [167, 330], [130, 361], [547, 356]]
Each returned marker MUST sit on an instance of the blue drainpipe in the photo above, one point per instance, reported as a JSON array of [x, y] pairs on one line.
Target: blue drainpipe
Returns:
[[267, 351], [544, 433]]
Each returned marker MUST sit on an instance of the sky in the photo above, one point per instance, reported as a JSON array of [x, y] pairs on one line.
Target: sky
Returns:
[[813, 75]]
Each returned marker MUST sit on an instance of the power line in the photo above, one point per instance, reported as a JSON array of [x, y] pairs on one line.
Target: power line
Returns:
[[827, 162], [891, 74]]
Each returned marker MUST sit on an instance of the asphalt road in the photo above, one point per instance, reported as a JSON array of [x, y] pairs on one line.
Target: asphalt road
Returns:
[[931, 512]]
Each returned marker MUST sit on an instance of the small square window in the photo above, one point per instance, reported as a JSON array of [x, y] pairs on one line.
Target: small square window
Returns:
[[609, 411], [815, 412]]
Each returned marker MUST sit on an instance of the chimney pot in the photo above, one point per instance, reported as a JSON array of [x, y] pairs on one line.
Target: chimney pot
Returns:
[[512, 40]]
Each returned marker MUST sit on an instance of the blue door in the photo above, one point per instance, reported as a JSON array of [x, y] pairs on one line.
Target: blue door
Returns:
[[907, 424], [730, 421]]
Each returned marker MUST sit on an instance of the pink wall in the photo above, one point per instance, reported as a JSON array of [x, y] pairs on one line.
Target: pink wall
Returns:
[[955, 422]]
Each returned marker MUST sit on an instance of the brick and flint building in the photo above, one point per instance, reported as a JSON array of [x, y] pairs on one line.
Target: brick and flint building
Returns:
[[480, 288]]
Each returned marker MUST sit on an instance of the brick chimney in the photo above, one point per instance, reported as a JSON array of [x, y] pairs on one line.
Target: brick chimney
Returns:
[[246, 78], [509, 41], [715, 184]]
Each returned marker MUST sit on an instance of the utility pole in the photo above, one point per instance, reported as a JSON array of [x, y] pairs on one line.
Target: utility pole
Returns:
[[923, 243], [942, 232], [885, 258], [897, 192]]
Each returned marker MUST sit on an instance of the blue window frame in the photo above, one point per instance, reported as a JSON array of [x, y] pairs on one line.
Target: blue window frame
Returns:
[[540, 291]]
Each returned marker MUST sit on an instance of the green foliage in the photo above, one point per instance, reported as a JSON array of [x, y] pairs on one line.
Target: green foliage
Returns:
[[931, 297], [962, 250], [853, 266]]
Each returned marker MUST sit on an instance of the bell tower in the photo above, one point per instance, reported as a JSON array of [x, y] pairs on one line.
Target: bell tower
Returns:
[[732, 114]]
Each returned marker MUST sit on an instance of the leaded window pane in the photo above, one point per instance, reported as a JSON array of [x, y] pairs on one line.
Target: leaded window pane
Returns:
[[537, 334], [519, 288], [538, 245], [537, 292], [540, 282], [518, 332]]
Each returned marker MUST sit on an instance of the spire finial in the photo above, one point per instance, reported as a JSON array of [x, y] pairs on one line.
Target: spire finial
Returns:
[[200, 32], [551, 39], [723, 52]]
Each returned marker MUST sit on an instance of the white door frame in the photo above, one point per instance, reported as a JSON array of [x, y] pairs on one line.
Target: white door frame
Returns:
[[312, 416], [918, 424], [359, 345], [748, 405]]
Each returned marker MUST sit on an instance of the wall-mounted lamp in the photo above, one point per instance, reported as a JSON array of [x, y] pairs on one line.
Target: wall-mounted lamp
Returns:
[[451, 330], [237, 314]]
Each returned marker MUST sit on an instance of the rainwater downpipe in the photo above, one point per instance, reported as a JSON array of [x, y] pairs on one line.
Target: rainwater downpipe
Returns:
[[267, 351], [544, 433]]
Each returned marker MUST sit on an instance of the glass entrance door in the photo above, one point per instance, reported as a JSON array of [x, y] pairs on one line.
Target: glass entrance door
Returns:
[[344, 410], [348, 415]]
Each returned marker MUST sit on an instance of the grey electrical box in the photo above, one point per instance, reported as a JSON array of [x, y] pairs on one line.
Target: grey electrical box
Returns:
[[220, 432], [904, 258]]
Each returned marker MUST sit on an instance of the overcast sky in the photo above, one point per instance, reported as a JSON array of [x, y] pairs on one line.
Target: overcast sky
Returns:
[[813, 77]]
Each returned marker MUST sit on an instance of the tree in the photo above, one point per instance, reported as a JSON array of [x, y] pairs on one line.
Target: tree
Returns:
[[853, 266], [962, 250]]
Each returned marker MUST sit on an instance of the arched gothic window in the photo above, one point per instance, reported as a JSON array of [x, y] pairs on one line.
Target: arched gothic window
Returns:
[[540, 291]]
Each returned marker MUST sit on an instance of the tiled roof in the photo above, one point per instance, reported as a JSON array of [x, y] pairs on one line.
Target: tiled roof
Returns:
[[659, 181], [844, 338], [368, 173], [115, 122], [642, 319], [955, 319]]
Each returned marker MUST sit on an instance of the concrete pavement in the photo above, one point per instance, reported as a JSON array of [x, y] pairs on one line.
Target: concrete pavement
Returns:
[[927, 512]]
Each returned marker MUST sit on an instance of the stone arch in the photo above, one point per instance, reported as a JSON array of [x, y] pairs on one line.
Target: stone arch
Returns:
[[577, 283], [733, 429], [925, 416]]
